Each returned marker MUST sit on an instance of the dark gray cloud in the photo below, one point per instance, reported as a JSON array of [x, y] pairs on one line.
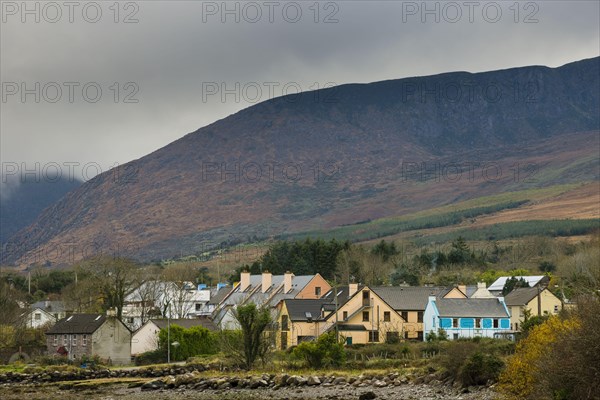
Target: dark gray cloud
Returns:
[[177, 49]]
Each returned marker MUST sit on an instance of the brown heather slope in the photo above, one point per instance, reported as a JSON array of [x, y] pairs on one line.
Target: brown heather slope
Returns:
[[350, 154]]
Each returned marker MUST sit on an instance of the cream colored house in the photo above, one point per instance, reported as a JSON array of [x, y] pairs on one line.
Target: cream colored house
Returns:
[[410, 303], [364, 318], [146, 338], [90, 335], [538, 300]]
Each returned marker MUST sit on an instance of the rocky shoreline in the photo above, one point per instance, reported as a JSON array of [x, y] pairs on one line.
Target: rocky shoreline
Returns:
[[194, 382]]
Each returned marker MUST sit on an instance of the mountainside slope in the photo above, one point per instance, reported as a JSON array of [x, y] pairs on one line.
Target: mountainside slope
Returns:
[[333, 157]]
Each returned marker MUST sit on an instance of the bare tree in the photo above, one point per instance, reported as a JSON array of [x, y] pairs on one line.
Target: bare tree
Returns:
[[177, 293], [114, 278]]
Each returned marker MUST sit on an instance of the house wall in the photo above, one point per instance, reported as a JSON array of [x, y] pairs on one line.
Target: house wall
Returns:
[[145, 339], [308, 292], [44, 319], [376, 308], [295, 329], [73, 343], [112, 341], [550, 305], [412, 327], [466, 326]]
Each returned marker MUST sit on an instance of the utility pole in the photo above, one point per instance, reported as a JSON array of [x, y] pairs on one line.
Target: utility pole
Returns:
[[337, 328], [539, 298], [169, 333]]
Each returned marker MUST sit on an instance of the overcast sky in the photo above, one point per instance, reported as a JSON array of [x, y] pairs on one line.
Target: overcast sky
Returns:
[[173, 58]]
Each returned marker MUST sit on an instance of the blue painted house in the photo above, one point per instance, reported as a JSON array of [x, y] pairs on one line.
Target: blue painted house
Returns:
[[467, 317]]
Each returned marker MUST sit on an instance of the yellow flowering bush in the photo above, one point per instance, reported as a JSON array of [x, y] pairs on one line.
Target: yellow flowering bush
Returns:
[[520, 377]]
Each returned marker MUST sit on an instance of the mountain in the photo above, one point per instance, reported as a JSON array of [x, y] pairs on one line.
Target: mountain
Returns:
[[22, 202], [333, 157]]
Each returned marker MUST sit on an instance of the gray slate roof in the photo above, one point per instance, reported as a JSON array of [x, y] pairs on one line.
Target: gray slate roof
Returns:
[[187, 323], [521, 296], [408, 298], [49, 306], [78, 324], [220, 295], [297, 308], [467, 308]]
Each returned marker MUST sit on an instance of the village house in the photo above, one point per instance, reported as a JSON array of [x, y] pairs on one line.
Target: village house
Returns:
[[146, 338], [410, 302], [158, 299], [270, 290], [90, 335], [467, 318], [44, 313], [364, 318], [536, 300], [533, 281]]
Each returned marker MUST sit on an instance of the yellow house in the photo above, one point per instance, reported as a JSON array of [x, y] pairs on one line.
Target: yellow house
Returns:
[[410, 303], [364, 318], [538, 300], [298, 321]]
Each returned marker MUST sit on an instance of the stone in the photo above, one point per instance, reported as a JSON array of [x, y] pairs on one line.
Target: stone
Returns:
[[313, 381], [367, 396]]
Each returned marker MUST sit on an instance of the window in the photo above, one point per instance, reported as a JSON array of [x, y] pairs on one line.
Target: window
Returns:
[[345, 315], [55, 340], [478, 323], [198, 306], [84, 340], [373, 336], [74, 340], [556, 308], [455, 322], [386, 316], [38, 316], [455, 336], [65, 340], [404, 315], [365, 316], [318, 291], [130, 320], [420, 336], [420, 316], [495, 323], [284, 322], [365, 299]]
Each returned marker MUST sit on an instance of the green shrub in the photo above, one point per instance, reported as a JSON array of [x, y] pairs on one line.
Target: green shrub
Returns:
[[193, 341], [480, 369], [326, 351], [151, 357]]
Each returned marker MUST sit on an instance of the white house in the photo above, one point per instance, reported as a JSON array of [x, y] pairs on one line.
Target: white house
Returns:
[[156, 299], [467, 317], [146, 338], [44, 313], [533, 281]]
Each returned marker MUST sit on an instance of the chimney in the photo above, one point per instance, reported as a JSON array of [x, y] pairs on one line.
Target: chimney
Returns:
[[111, 312], [266, 281], [287, 281], [244, 281], [352, 288], [463, 288], [47, 304], [481, 285]]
